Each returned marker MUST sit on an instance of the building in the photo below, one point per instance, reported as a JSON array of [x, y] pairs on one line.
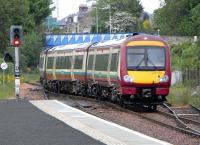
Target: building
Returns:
[[51, 23], [80, 22]]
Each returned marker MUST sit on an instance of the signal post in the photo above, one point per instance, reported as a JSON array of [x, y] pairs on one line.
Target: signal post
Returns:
[[15, 41]]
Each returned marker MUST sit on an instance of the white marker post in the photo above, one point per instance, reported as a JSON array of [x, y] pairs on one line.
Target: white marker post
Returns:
[[17, 73], [4, 66]]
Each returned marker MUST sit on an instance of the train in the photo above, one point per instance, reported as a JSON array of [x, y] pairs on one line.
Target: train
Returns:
[[132, 70]]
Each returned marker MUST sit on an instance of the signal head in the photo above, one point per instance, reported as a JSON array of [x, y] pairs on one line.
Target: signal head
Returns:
[[15, 36]]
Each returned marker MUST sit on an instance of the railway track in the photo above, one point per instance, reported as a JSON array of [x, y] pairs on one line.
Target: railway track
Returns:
[[170, 120], [188, 125]]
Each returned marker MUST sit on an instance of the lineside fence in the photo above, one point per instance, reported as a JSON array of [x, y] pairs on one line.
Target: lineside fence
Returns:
[[191, 77]]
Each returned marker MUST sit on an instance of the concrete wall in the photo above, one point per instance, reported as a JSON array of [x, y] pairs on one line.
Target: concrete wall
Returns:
[[174, 40]]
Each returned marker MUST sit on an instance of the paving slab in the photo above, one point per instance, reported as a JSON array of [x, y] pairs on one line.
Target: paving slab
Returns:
[[21, 123], [99, 129]]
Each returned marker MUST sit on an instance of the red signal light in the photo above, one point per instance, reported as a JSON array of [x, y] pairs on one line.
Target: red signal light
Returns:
[[16, 42]]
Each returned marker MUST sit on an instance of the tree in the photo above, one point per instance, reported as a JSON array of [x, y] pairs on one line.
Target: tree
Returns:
[[30, 14], [13, 12], [147, 26], [39, 9], [122, 22], [31, 50], [104, 7], [177, 17]]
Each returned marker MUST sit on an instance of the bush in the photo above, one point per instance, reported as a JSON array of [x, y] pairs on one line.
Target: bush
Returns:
[[182, 95]]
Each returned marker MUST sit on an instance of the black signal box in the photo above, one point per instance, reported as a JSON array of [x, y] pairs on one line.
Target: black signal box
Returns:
[[15, 35]]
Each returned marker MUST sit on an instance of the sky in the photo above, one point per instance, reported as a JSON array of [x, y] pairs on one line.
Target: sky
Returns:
[[67, 7]]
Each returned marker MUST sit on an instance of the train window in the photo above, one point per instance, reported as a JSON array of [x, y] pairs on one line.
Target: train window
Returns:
[[62, 62], [135, 57], [156, 57], [114, 62], [101, 62], [68, 62], [78, 62], [90, 62], [146, 57], [50, 63], [58, 62]]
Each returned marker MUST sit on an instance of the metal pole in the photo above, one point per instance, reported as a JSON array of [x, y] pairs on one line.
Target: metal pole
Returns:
[[97, 21], [110, 19], [17, 73], [3, 78]]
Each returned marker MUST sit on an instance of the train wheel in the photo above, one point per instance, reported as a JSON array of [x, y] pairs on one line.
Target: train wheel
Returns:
[[152, 107], [122, 102], [113, 96]]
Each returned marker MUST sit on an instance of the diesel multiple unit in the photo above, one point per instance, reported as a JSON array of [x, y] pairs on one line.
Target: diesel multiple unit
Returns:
[[132, 70]]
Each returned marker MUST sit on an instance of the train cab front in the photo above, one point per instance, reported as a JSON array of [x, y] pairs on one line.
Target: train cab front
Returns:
[[145, 69]]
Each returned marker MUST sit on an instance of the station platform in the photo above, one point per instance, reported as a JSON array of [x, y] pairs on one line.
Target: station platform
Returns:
[[106, 132], [21, 123]]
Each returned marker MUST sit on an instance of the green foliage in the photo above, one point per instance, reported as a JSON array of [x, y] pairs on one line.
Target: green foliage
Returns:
[[30, 14], [132, 7], [185, 56], [31, 50], [180, 17], [147, 26], [182, 95], [31, 77], [13, 12], [58, 31], [10, 68], [39, 9], [8, 90]]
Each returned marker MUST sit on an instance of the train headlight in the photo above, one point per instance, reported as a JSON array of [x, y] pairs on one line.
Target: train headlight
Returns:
[[128, 79], [164, 79]]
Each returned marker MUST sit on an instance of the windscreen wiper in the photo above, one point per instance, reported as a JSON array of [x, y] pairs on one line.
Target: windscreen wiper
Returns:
[[155, 67], [140, 63]]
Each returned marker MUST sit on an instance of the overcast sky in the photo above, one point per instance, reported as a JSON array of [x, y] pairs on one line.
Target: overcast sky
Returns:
[[67, 7]]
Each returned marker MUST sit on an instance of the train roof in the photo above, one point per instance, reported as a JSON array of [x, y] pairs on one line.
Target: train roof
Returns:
[[104, 43], [85, 45], [70, 46], [109, 42]]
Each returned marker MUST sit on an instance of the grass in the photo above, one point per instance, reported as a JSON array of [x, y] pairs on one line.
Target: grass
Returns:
[[7, 90], [182, 95], [31, 78]]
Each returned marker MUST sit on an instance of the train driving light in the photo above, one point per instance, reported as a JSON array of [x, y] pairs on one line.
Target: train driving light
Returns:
[[164, 79], [128, 79]]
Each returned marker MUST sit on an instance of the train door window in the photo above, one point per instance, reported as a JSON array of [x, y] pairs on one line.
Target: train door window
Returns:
[[78, 62], [90, 62], [41, 62], [114, 62], [50, 62], [101, 63], [68, 62]]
